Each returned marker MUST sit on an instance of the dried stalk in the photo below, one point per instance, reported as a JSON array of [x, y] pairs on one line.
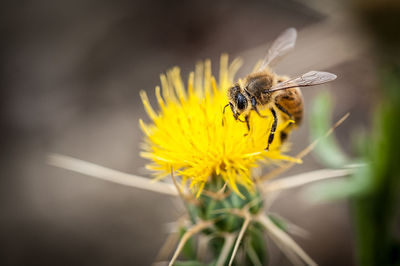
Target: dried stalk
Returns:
[[229, 241], [195, 229], [284, 238], [304, 178], [303, 153], [246, 222], [104, 173]]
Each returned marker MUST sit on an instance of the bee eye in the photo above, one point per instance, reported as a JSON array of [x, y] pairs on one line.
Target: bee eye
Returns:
[[241, 101]]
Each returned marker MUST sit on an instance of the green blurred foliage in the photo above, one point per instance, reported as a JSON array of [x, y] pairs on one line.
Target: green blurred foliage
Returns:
[[374, 188], [328, 151]]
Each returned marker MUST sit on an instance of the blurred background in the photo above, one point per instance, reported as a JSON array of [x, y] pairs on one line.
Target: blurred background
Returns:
[[70, 77]]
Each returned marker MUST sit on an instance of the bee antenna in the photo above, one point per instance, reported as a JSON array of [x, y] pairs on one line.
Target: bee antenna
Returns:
[[225, 108], [223, 112]]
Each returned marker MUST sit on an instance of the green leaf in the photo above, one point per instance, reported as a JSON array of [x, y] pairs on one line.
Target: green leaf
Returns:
[[215, 245], [188, 250], [278, 221], [189, 263], [327, 151], [355, 185], [257, 250]]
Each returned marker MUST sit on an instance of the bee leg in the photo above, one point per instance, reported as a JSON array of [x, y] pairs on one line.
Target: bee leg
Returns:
[[254, 107], [248, 125], [280, 107], [284, 136], [273, 128], [284, 132]]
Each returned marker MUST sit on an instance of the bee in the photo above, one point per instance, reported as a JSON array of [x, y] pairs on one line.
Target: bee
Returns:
[[263, 89]]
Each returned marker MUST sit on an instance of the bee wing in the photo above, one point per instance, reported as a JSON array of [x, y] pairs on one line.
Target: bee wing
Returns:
[[310, 78], [281, 46]]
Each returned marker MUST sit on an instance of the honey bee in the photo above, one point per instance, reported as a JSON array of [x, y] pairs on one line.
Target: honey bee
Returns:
[[264, 89]]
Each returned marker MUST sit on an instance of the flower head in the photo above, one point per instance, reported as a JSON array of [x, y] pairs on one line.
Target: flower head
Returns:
[[192, 134]]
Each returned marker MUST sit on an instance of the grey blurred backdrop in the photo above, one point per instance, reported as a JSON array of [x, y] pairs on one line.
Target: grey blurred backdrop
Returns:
[[70, 76]]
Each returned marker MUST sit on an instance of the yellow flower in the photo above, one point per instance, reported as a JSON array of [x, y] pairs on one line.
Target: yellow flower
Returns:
[[191, 135]]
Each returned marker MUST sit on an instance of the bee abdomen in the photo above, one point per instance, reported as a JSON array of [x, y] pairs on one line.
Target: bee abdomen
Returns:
[[290, 102]]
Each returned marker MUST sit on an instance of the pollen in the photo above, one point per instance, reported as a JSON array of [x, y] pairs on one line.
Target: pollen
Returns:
[[191, 134]]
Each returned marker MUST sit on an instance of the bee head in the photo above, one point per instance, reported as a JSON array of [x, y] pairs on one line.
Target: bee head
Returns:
[[238, 102], [241, 102]]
